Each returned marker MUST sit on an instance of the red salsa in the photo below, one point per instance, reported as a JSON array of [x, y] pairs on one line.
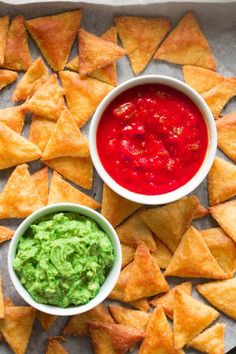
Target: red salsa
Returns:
[[152, 139]]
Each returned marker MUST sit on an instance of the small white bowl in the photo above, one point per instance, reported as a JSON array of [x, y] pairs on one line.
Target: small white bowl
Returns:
[[107, 286], [195, 180]]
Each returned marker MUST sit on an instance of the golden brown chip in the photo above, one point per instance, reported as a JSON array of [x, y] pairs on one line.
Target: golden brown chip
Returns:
[[20, 196], [40, 131], [187, 45], [128, 317], [7, 77], [83, 95], [36, 76], [140, 304], [17, 327], [45, 320], [190, 318], [55, 35], [170, 221], [140, 37], [127, 254], [162, 254], [225, 215], [5, 234], [8, 302], [54, 346], [13, 117], [41, 182], [211, 340], [200, 212], [4, 23], [226, 137], [201, 79], [17, 53], [193, 259], [2, 307], [167, 301]]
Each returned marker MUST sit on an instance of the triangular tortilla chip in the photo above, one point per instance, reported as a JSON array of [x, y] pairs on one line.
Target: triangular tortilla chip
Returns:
[[187, 45], [145, 277], [54, 346], [225, 215], [4, 23], [5, 234], [221, 294], [77, 325], [66, 139], [116, 208], [133, 231], [20, 196], [73, 64], [127, 254], [17, 327], [140, 37], [162, 254], [96, 52], [140, 304], [200, 212], [221, 181], [48, 100], [77, 169], [17, 53], [193, 259], [167, 301], [2, 308], [15, 149], [226, 137], [211, 340], [45, 320], [62, 192], [55, 35], [201, 79], [7, 77], [13, 117], [36, 76], [113, 338], [83, 95], [40, 131], [41, 182], [128, 317], [170, 221]]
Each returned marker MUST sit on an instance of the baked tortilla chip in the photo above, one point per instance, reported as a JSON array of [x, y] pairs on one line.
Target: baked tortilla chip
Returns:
[[200, 212], [66, 139], [2, 308], [36, 76], [128, 317], [140, 304], [54, 346], [48, 100], [225, 215], [5, 234], [55, 35], [40, 131], [20, 196], [140, 37], [116, 208], [162, 255], [41, 182], [13, 117], [15, 149], [7, 77], [17, 53], [77, 325], [187, 45], [45, 320], [226, 137], [62, 192], [4, 23], [211, 340], [167, 301], [171, 221], [83, 95], [17, 327], [201, 79], [127, 254]]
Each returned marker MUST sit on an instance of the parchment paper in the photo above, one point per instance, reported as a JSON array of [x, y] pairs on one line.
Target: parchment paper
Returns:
[[219, 24]]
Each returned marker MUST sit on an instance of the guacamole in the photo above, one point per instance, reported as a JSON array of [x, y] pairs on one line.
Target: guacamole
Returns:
[[63, 259]]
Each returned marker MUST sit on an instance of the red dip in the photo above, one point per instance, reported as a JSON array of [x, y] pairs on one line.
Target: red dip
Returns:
[[152, 139]]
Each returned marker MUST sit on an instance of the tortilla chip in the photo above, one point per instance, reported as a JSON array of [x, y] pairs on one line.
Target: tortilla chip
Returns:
[[77, 169], [17, 53], [7, 77], [40, 131], [140, 37], [17, 327], [193, 259], [2, 309], [226, 137], [200, 212], [77, 325], [41, 182], [128, 317], [62, 192], [171, 221], [127, 254], [4, 23], [20, 196], [201, 79], [45, 320], [8, 302], [13, 117], [113, 338], [5, 234], [33, 79], [15, 149], [66, 139], [167, 301], [48, 100], [140, 304], [83, 95], [225, 215], [55, 35], [162, 255], [211, 340], [54, 346], [73, 64], [133, 231], [187, 45]]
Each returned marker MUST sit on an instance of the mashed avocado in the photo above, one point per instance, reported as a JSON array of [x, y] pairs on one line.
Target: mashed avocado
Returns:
[[64, 259]]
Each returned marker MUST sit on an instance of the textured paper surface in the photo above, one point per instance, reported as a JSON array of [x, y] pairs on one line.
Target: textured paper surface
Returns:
[[219, 24]]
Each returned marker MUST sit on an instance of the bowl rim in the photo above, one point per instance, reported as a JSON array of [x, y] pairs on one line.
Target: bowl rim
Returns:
[[106, 287], [195, 181]]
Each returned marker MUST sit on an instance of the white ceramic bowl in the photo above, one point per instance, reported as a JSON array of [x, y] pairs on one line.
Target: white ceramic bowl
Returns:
[[107, 286], [196, 179]]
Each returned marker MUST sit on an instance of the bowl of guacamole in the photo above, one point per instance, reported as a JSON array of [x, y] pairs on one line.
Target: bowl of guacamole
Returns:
[[64, 259]]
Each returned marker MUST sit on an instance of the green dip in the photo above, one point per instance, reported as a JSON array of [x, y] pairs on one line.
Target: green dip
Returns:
[[63, 259]]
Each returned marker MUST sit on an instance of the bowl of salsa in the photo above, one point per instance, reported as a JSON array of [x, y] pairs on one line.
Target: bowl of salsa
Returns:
[[153, 139]]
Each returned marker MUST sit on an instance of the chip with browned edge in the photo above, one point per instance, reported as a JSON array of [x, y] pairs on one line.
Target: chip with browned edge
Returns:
[[162, 254], [7, 77], [45, 320], [41, 182], [5, 234], [226, 135], [54, 346], [201, 79], [4, 23], [225, 215], [127, 254], [211, 340], [13, 117], [40, 131]]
